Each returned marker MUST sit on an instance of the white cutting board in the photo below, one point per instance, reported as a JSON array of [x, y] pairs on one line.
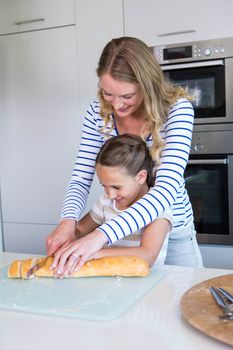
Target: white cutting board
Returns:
[[90, 298]]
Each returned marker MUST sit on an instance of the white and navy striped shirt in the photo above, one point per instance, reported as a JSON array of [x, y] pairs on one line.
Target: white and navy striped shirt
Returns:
[[169, 189]]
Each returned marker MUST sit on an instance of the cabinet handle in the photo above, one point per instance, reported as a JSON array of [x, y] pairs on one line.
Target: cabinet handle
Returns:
[[177, 33], [29, 21]]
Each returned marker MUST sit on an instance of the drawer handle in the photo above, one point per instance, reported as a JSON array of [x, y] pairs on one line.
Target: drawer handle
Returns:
[[29, 21], [207, 161], [177, 33]]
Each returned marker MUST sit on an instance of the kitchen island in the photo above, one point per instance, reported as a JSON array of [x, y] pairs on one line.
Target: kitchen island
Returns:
[[153, 322]]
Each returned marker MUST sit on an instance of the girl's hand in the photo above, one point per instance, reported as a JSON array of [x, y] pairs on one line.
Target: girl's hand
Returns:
[[70, 258], [64, 233]]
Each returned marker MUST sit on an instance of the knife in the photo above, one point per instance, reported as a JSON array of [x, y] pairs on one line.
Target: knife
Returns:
[[226, 294], [37, 266]]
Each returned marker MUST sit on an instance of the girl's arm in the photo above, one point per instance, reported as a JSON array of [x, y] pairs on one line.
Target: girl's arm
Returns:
[[152, 240], [85, 226]]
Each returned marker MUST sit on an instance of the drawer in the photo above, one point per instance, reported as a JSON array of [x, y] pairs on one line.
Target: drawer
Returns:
[[27, 15]]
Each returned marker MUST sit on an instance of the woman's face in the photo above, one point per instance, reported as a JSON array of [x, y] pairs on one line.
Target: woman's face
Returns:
[[126, 98], [125, 189]]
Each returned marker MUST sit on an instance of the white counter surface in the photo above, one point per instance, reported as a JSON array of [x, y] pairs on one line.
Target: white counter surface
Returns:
[[154, 322]]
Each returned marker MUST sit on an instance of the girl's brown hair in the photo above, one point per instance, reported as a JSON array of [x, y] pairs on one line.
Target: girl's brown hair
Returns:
[[131, 153], [130, 59]]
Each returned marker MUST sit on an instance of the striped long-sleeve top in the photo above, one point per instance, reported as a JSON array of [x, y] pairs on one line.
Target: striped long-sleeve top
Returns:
[[169, 189]]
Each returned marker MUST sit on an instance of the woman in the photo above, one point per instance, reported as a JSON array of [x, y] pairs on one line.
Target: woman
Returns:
[[134, 98]]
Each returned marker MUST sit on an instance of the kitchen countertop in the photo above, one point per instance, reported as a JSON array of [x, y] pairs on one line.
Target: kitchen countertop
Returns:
[[154, 321]]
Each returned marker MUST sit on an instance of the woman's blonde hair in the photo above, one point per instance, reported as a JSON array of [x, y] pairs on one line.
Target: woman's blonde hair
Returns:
[[131, 60]]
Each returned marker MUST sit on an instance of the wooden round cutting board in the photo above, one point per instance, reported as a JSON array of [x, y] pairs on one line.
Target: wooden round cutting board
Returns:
[[200, 310]]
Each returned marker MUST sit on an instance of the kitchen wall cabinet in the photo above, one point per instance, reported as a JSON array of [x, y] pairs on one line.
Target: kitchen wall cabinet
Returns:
[[156, 22], [40, 131], [25, 15]]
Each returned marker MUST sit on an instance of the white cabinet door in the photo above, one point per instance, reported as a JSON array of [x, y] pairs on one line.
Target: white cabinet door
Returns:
[[217, 256], [97, 23], [40, 124], [24, 15], [166, 22], [26, 238], [1, 229]]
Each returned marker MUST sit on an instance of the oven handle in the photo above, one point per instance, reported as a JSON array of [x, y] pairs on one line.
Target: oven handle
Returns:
[[193, 65], [208, 161]]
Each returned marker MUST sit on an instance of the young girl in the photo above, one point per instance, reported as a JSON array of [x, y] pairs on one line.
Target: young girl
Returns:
[[126, 171]]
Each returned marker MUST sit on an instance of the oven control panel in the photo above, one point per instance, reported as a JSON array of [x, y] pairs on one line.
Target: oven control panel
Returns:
[[212, 142], [207, 51], [194, 51]]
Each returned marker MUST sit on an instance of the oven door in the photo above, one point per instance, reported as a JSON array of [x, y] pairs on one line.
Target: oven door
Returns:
[[210, 82], [209, 183]]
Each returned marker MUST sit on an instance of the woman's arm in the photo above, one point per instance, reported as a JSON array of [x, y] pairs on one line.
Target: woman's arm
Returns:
[[152, 240], [80, 182], [84, 168], [151, 243]]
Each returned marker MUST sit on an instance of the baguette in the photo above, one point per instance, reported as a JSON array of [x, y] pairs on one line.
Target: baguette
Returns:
[[125, 266]]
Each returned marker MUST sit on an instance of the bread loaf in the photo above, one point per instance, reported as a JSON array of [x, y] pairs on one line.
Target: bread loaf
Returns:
[[125, 266], [19, 268]]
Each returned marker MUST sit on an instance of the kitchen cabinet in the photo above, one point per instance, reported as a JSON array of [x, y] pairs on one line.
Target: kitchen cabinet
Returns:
[[40, 131], [47, 80], [1, 230], [97, 23], [26, 15], [217, 256], [167, 22]]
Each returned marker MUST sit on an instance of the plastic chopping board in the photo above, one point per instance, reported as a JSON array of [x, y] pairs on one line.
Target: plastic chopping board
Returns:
[[87, 298]]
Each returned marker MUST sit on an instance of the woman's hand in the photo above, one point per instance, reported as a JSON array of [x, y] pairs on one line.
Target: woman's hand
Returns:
[[71, 257], [62, 235]]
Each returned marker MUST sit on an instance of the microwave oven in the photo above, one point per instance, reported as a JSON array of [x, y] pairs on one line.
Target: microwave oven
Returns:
[[205, 69]]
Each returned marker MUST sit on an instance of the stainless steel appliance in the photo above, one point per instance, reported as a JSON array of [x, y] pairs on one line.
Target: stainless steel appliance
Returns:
[[209, 182], [206, 69]]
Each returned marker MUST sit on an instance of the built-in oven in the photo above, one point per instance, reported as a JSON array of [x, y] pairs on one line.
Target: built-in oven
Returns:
[[205, 69], [209, 182]]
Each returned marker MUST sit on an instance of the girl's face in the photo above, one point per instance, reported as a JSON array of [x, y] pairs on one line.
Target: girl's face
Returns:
[[126, 98], [125, 189]]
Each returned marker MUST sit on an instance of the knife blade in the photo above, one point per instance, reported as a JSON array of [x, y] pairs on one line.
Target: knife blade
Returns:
[[226, 294], [37, 266], [220, 300]]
